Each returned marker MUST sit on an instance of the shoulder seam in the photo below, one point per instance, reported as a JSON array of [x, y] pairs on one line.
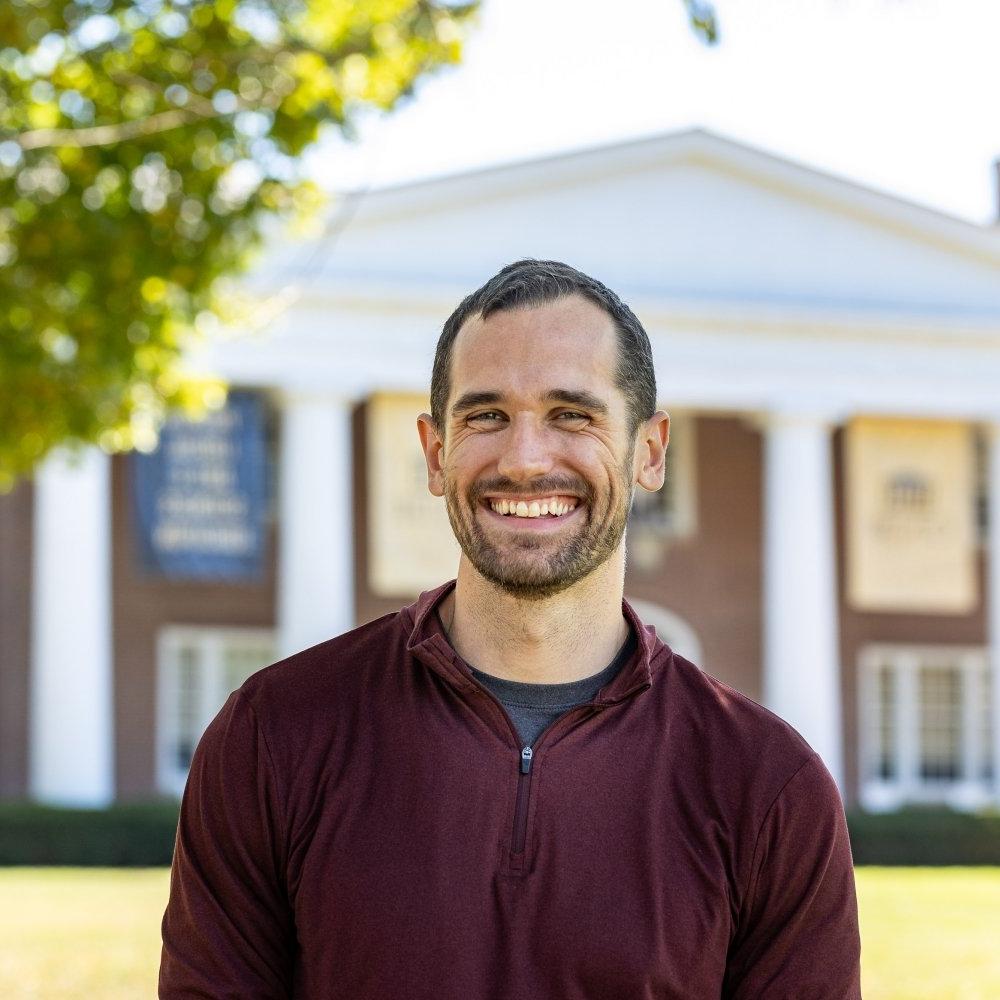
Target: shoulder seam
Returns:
[[755, 874], [765, 709], [282, 795], [316, 649]]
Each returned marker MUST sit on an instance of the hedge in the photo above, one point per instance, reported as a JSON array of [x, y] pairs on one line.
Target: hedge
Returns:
[[925, 836], [142, 834], [127, 835]]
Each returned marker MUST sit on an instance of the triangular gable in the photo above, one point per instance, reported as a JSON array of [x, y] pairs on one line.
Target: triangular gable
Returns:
[[689, 215]]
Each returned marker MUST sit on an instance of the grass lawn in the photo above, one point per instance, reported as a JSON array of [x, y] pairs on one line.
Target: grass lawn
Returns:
[[70, 933], [930, 933], [75, 933]]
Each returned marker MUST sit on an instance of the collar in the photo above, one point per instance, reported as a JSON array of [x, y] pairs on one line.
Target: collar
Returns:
[[428, 643]]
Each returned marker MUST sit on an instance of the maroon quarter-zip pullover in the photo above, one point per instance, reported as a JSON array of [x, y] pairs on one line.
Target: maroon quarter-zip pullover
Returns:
[[361, 823]]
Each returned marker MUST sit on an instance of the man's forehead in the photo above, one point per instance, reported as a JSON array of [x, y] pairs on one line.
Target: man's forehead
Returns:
[[569, 333]]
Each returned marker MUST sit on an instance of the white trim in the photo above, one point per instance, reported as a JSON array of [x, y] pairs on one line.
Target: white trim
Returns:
[[316, 517], [211, 643], [937, 365], [801, 659], [880, 794], [71, 721], [972, 699]]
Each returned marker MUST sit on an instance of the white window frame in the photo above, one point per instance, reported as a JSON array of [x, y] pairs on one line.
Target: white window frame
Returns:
[[878, 794], [211, 642]]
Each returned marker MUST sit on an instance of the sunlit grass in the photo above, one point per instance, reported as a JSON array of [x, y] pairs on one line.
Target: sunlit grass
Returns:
[[80, 934], [71, 933], [930, 933]]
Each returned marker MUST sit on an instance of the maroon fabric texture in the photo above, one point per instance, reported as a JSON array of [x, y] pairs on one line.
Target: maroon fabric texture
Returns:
[[357, 825]]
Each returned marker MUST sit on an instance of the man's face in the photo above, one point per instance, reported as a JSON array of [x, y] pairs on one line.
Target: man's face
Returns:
[[535, 422]]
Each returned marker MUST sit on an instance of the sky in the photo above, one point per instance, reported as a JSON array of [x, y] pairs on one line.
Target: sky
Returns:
[[899, 95]]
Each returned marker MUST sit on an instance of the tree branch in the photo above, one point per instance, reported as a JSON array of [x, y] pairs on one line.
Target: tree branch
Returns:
[[108, 135], [199, 108]]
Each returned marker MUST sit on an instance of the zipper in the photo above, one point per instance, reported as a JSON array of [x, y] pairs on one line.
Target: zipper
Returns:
[[525, 758], [521, 803], [520, 832]]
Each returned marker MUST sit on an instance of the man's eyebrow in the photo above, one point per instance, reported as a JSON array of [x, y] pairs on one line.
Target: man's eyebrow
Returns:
[[574, 397], [470, 400], [578, 397]]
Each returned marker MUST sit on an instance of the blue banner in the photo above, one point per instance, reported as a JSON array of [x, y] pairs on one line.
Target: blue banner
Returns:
[[201, 497]]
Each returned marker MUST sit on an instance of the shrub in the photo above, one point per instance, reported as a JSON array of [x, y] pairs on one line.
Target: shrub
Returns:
[[137, 834], [925, 836], [141, 834]]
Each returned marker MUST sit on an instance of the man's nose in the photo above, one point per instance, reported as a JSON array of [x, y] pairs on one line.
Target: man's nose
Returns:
[[526, 452]]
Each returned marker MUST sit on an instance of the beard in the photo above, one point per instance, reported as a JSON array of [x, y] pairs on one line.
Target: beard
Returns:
[[532, 567]]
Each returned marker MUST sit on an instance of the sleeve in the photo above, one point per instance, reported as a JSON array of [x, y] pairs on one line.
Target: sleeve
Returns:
[[798, 925], [228, 930]]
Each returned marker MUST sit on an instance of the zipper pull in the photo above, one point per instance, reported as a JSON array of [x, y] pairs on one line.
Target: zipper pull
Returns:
[[526, 755]]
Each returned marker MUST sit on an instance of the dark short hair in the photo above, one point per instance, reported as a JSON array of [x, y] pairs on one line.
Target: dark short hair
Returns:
[[527, 283]]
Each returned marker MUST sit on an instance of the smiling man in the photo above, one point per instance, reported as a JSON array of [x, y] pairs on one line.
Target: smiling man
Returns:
[[512, 788]]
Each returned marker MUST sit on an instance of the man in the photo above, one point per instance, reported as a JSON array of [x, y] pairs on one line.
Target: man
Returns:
[[512, 788]]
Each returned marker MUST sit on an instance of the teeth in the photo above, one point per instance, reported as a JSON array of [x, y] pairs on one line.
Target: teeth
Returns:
[[532, 508]]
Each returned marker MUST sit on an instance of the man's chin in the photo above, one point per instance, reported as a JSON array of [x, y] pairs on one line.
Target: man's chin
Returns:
[[531, 589], [526, 582]]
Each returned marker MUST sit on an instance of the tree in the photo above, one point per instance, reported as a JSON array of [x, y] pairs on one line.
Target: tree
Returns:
[[143, 145]]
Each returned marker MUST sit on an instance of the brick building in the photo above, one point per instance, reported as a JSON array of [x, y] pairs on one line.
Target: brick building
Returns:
[[830, 356]]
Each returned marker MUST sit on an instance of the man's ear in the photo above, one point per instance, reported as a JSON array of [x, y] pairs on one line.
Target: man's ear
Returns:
[[433, 447], [651, 451]]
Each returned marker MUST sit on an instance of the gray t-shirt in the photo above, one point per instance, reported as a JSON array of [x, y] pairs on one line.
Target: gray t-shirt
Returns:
[[532, 707]]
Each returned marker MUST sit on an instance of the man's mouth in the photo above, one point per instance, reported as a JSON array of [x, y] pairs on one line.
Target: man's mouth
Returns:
[[551, 506]]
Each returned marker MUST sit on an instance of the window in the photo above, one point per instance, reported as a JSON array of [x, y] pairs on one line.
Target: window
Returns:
[[926, 726], [984, 765], [939, 690], [982, 495], [888, 751], [197, 668]]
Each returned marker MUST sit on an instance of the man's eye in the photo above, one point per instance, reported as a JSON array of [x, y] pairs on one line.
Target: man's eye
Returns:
[[490, 416], [572, 415]]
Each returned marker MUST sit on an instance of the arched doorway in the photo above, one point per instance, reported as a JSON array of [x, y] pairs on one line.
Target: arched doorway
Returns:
[[671, 628]]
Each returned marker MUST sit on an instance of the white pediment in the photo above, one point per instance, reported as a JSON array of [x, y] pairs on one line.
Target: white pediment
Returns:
[[689, 216]]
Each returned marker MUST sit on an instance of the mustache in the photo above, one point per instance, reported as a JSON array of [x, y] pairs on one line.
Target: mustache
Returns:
[[543, 485]]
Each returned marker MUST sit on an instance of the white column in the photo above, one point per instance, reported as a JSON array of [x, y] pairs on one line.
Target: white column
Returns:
[[72, 720], [801, 660], [316, 534], [993, 589]]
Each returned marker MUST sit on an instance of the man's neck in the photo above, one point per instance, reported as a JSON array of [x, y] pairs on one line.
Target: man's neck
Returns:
[[571, 635]]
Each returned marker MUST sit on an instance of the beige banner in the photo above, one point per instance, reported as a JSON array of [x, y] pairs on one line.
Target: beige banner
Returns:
[[410, 544], [910, 495]]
